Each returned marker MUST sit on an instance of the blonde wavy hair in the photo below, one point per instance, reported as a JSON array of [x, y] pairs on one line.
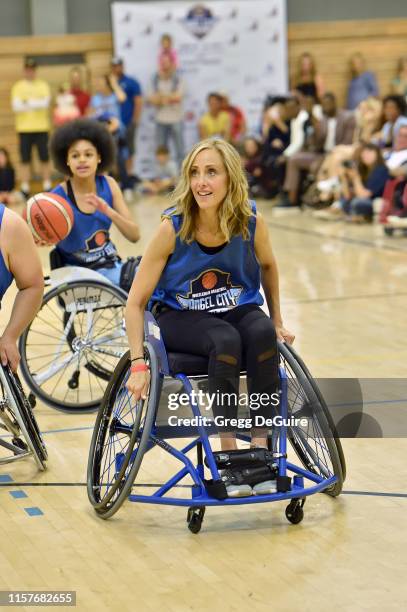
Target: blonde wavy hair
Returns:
[[235, 210]]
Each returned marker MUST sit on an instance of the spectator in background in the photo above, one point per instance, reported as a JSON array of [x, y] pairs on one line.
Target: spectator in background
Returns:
[[105, 102], [8, 195], [335, 127], [307, 81], [252, 162], [76, 88], [30, 101], [362, 181], [105, 107], [165, 173], [398, 156], [237, 120], [362, 84], [368, 121], [399, 84], [167, 92], [167, 50], [394, 111], [130, 112], [215, 122], [65, 108]]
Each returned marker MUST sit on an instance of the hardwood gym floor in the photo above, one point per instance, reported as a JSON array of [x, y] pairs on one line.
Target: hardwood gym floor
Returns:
[[343, 293]]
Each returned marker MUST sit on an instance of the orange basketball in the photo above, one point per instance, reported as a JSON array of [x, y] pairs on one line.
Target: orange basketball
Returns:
[[209, 280], [50, 217]]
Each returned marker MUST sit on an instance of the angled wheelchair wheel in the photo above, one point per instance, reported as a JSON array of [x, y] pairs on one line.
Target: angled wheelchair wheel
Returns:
[[71, 348], [18, 419], [315, 444], [120, 437]]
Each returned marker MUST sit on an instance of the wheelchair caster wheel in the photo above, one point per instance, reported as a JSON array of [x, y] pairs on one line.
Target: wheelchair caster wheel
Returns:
[[32, 400], [294, 511], [73, 382], [194, 519]]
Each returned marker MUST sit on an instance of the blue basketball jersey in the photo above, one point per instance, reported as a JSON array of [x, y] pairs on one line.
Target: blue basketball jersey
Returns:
[[88, 243], [194, 280], [6, 278]]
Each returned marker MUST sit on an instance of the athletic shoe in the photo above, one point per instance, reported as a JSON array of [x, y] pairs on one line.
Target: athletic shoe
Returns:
[[394, 221], [328, 184], [265, 488], [233, 488], [128, 195]]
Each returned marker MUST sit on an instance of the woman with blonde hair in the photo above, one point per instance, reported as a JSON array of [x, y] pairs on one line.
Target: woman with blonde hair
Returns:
[[368, 121], [363, 83], [203, 269], [307, 81]]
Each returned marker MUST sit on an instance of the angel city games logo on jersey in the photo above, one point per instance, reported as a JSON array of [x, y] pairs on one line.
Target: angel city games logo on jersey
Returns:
[[212, 291]]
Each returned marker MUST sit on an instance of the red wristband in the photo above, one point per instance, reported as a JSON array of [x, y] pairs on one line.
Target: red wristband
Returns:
[[141, 367]]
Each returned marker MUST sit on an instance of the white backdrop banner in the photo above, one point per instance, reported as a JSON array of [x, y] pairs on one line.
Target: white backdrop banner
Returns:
[[237, 46]]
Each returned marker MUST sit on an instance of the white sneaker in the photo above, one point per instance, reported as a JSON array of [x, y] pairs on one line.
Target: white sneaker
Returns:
[[394, 221], [328, 184], [265, 488], [128, 195], [47, 186]]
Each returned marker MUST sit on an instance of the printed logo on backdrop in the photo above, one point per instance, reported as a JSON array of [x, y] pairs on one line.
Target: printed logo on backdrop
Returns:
[[126, 18], [199, 21], [212, 291]]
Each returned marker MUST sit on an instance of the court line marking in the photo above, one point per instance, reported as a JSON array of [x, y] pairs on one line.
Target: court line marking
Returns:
[[84, 484], [348, 240]]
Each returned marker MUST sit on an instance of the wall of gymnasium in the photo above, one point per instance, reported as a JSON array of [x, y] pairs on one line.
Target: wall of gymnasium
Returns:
[[330, 31]]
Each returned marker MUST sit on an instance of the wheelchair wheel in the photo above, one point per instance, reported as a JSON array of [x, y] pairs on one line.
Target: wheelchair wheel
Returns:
[[120, 437], [323, 403], [18, 418], [70, 350], [315, 444]]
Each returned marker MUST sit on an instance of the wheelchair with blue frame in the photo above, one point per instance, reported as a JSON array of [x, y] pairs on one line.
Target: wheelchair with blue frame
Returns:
[[22, 437], [71, 348], [126, 431]]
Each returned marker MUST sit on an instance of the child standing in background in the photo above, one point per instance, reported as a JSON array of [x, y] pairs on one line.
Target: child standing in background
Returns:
[[166, 50]]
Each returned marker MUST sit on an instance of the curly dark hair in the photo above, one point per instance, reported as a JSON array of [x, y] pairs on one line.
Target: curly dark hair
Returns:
[[82, 129]]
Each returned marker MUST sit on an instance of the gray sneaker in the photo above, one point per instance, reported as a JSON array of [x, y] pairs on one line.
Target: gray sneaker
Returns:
[[233, 487], [265, 488]]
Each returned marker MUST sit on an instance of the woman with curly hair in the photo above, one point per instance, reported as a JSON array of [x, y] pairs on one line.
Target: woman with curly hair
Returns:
[[203, 270], [83, 150]]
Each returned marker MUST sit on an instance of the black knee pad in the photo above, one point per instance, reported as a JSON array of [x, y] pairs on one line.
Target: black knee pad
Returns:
[[249, 475], [252, 457]]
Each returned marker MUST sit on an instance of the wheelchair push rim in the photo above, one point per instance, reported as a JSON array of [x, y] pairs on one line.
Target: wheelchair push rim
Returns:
[[316, 446], [70, 350], [120, 437]]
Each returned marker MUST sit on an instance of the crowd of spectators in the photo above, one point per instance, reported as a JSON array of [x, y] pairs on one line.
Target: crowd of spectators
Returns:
[[306, 148]]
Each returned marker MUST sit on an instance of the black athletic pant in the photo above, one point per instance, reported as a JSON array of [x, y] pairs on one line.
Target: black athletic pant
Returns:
[[241, 338]]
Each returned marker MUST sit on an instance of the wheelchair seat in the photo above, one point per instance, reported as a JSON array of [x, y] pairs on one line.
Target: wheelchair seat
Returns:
[[181, 363]]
